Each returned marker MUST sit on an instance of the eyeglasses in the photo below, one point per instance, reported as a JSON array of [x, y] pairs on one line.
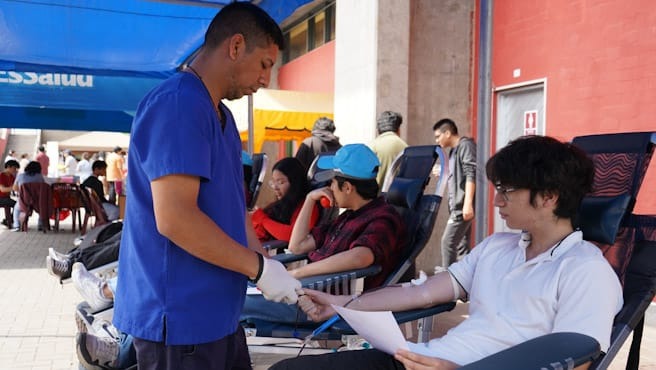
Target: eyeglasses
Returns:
[[504, 190], [277, 184]]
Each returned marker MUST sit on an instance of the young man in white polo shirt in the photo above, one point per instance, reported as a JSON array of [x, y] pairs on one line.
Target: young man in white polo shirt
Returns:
[[520, 286]]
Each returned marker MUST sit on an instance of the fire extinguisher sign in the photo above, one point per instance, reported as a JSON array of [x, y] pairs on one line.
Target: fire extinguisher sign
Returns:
[[531, 122]]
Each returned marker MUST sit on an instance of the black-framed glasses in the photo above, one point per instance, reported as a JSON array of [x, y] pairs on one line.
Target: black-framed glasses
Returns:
[[504, 190]]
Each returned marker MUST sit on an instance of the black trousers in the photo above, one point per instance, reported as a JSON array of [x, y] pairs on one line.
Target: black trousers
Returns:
[[369, 359], [230, 352]]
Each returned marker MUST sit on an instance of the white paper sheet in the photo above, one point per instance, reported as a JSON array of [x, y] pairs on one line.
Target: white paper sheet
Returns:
[[378, 327]]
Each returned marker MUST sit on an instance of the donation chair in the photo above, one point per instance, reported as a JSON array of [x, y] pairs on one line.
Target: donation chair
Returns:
[[260, 161], [411, 173], [629, 243]]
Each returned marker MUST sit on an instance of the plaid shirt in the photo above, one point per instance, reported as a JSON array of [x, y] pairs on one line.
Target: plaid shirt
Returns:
[[376, 226]]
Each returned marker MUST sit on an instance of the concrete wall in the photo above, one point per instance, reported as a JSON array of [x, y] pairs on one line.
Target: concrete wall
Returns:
[[439, 83]]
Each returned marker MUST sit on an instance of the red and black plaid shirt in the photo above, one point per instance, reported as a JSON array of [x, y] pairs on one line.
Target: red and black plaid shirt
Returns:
[[376, 226]]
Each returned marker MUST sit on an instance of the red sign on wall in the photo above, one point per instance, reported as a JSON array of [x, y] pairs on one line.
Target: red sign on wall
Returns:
[[531, 122]]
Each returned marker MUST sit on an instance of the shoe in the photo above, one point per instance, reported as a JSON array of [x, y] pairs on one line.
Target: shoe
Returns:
[[16, 229], [60, 268], [90, 287], [97, 352], [58, 255]]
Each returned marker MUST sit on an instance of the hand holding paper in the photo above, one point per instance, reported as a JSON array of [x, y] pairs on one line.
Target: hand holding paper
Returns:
[[378, 327]]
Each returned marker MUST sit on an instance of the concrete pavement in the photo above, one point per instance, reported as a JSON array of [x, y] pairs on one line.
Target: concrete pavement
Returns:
[[37, 327]]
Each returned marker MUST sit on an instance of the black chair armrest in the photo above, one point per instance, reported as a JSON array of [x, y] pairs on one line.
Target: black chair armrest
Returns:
[[286, 258], [278, 245], [321, 282], [551, 351]]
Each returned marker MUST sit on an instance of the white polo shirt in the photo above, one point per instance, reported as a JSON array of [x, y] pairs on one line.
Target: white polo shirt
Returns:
[[569, 288]]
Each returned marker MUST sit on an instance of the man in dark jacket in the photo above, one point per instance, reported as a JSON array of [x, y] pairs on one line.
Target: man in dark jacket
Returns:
[[322, 140]]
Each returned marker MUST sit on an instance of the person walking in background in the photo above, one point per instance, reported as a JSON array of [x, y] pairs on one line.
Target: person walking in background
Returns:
[[83, 169], [188, 247], [114, 175], [70, 163], [43, 159], [24, 160], [461, 186], [322, 140], [388, 144], [11, 156]]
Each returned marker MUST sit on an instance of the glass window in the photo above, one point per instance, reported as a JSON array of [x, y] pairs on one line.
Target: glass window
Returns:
[[319, 29], [298, 38]]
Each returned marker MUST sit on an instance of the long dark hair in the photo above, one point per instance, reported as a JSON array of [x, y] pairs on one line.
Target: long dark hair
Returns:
[[282, 209]]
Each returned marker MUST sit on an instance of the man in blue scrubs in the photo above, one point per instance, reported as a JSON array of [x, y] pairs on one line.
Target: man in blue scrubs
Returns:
[[188, 246]]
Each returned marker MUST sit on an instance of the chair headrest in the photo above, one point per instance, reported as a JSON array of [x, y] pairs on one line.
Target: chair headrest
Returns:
[[599, 217], [404, 192]]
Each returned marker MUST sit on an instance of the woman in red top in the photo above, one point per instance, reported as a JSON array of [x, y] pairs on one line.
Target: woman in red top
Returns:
[[290, 185]]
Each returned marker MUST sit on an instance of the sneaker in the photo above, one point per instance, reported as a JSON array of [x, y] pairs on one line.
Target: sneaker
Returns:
[[58, 255], [97, 352], [60, 268], [90, 287]]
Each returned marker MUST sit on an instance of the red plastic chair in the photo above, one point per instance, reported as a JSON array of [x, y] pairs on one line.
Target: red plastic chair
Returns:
[[66, 196]]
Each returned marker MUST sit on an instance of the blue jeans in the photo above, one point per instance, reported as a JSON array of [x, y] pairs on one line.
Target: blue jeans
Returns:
[[256, 307]]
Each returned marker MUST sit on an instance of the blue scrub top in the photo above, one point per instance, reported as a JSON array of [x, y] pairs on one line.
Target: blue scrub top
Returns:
[[165, 294]]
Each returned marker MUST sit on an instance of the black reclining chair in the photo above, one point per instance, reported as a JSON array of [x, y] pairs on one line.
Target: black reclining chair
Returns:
[[260, 161], [411, 174], [628, 242]]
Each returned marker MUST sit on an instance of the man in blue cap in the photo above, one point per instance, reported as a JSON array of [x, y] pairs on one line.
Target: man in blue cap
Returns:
[[369, 232]]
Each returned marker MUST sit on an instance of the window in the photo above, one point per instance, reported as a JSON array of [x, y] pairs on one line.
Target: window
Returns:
[[309, 33]]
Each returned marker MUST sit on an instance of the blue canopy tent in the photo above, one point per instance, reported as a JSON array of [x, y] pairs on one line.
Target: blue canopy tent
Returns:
[[85, 64]]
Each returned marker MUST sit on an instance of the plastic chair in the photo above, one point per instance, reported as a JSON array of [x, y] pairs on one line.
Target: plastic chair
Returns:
[[92, 208], [67, 196], [35, 196]]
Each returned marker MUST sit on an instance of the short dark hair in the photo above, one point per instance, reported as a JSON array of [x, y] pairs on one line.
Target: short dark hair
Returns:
[[42, 148], [446, 124], [542, 165], [389, 121], [12, 163], [33, 168], [367, 188], [247, 19], [99, 165]]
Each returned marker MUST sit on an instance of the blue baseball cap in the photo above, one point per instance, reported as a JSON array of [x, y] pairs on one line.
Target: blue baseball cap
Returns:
[[354, 161], [246, 159]]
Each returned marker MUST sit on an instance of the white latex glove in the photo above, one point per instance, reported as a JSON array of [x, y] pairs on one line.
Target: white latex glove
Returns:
[[277, 284]]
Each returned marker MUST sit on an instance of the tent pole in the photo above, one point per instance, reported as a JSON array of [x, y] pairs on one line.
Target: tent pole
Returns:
[[251, 128]]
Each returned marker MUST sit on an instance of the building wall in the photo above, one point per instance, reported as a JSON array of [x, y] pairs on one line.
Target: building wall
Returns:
[[312, 72], [598, 58]]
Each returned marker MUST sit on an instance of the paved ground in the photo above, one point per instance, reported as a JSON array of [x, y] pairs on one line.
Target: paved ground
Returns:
[[37, 328]]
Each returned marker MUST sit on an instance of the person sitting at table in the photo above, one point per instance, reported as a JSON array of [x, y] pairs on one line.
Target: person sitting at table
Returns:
[[32, 174], [290, 186], [99, 168], [7, 178]]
